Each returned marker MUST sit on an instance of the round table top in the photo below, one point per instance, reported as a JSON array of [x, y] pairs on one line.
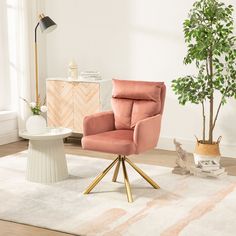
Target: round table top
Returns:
[[51, 133]]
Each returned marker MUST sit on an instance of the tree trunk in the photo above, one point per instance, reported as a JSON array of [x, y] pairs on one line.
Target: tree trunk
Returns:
[[204, 123], [211, 100], [211, 119]]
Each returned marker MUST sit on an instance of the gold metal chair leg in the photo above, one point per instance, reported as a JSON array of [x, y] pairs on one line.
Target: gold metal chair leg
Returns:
[[127, 185], [99, 177], [116, 169], [147, 178]]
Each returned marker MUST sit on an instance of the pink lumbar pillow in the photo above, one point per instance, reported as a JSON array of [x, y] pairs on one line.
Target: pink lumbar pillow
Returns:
[[138, 90]]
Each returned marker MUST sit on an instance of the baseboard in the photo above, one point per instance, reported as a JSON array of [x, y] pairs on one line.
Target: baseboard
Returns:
[[7, 115], [10, 137], [188, 145], [8, 127]]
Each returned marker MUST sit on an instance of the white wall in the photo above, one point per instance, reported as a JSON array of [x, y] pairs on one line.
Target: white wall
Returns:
[[134, 39]]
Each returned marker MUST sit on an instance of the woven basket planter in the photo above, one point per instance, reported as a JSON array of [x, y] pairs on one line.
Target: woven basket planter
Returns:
[[206, 151]]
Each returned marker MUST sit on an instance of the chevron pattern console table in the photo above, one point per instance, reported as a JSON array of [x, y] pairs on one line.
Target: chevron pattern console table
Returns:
[[69, 102]]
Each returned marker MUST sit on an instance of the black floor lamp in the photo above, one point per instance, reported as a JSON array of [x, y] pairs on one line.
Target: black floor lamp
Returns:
[[47, 25]]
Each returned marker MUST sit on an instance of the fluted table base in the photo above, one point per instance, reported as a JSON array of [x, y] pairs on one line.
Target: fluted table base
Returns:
[[46, 161]]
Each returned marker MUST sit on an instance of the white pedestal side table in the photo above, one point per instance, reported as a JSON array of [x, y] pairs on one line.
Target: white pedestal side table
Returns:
[[46, 161]]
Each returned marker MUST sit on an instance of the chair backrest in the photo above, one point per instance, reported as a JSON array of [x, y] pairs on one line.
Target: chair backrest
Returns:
[[133, 101]]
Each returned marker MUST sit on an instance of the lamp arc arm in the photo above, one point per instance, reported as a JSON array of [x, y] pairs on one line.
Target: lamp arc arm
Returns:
[[35, 32], [36, 65]]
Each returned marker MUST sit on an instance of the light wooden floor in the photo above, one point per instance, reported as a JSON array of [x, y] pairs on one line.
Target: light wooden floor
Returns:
[[153, 157]]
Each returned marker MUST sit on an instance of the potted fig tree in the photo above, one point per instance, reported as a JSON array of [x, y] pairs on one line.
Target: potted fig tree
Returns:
[[211, 44]]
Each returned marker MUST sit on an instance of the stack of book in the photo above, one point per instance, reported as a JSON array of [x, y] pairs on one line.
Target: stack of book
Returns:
[[87, 75], [208, 168]]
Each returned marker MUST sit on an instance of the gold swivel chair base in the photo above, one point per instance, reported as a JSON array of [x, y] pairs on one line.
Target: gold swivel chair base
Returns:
[[122, 160]]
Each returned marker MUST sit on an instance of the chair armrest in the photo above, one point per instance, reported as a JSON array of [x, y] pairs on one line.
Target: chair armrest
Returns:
[[98, 123], [146, 133]]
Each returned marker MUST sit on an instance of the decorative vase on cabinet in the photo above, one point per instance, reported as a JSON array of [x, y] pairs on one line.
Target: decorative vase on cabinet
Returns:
[[69, 102]]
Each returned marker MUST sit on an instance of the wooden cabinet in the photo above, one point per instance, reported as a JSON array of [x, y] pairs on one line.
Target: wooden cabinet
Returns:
[[70, 101]]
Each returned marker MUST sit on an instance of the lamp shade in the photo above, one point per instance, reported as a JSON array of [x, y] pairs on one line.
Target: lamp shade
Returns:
[[47, 24]]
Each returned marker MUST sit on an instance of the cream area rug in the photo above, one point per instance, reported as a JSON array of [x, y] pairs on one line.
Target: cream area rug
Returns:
[[185, 205]]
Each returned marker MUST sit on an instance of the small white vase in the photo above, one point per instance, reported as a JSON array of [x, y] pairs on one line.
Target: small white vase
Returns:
[[36, 124]]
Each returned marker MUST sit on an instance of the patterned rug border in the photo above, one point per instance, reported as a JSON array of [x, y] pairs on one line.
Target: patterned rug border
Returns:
[[59, 231]]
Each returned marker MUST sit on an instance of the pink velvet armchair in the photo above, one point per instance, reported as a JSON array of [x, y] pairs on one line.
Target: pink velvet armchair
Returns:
[[132, 127]]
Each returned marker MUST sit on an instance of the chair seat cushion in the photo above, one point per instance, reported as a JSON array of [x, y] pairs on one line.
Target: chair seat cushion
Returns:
[[116, 141]]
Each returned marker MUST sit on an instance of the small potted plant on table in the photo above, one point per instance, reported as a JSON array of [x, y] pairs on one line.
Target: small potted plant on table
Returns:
[[36, 124], [211, 45]]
